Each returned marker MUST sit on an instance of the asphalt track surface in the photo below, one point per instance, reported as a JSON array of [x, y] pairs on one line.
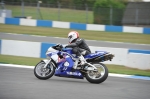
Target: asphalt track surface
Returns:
[[20, 83], [65, 41]]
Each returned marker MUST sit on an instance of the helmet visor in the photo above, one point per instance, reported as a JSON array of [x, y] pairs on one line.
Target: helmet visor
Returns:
[[70, 37]]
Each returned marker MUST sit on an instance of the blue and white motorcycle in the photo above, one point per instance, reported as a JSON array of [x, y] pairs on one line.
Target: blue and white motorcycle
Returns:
[[62, 62]]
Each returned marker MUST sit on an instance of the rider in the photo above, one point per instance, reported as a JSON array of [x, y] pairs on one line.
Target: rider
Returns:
[[78, 45]]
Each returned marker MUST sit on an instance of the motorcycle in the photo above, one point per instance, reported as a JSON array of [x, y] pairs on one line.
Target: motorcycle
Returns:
[[62, 62]]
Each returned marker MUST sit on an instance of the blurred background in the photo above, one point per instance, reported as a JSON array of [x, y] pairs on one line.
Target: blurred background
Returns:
[[108, 12]]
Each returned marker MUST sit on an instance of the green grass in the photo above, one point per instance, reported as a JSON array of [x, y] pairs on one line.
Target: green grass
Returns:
[[19, 60], [90, 35], [68, 15], [33, 61]]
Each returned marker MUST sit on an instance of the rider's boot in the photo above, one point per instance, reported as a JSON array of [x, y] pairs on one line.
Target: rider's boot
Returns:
[[76, 64], [83, 61]]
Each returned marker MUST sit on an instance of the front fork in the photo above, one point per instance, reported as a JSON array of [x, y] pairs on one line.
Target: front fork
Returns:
[[46, 62]]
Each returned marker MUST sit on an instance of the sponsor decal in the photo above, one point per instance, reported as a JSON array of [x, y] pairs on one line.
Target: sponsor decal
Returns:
[[74, 73], [66, 64], [58, 68], [94, 54], [65, 68]]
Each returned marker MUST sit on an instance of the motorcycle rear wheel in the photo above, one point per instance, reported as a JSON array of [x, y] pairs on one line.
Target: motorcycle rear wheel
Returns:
[[97, 76]]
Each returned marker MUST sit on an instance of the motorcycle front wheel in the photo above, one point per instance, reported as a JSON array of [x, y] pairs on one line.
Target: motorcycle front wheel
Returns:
[[98, 76], [44, 73]]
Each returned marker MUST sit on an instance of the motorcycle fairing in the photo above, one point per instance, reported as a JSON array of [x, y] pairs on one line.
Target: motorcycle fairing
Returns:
[[68, 50], [96, 54], [64, 69]]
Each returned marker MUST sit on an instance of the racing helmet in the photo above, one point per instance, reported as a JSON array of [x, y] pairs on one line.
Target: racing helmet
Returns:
[[72, 36]]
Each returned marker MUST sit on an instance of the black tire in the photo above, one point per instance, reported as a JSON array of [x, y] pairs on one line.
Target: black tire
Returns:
[[99, 80], [52, 70]]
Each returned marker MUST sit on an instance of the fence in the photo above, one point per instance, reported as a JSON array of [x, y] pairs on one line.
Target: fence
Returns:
[[133, 14]]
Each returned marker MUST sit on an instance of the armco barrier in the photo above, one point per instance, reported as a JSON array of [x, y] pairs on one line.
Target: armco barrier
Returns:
[[14, 21], [20, 48], [138, 59], [127, 57], [72, 25], [139, 51], [110, 28], [120, 54], [0, 46], [44, 47]]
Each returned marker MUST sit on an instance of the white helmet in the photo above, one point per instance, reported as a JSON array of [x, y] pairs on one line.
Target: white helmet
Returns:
[[72, 36]]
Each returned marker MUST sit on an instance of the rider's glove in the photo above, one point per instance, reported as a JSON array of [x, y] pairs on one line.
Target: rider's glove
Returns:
[[64, 46]]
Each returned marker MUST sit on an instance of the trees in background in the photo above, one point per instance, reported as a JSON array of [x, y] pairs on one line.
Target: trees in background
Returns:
[[108, 11]]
